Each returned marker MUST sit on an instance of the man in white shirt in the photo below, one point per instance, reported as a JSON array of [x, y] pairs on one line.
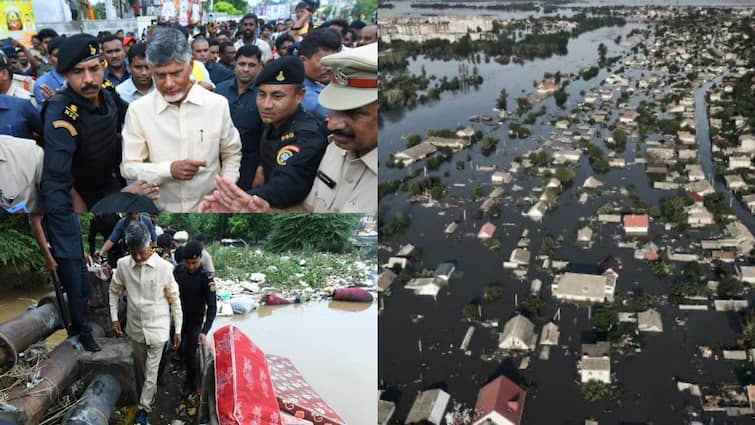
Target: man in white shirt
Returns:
[[152, 296], [249, 36], [180, 136]]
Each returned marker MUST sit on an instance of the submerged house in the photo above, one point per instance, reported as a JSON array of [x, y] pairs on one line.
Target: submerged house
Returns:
[[596, 288], [518, 334], [500, 402], [429, 407]]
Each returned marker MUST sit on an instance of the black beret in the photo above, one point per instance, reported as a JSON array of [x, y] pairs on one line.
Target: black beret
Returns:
[[75, 49], [286, 70], [192, 250]]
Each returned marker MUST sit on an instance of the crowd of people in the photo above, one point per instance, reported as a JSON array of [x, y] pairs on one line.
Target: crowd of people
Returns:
[[233, 117]]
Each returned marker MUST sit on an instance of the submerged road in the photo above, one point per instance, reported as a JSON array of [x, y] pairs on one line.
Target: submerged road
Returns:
[[706, 157]]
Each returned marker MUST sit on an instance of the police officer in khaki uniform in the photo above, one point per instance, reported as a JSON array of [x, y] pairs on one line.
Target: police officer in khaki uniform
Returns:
[[346, 178], [20, 175]]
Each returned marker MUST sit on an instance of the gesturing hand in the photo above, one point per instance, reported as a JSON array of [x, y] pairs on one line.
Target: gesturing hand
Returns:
[[185, 169]]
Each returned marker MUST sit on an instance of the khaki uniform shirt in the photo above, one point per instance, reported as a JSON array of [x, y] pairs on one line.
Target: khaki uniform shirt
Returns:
[[20, 174], [157, 133], [345, 182], [152, 291]]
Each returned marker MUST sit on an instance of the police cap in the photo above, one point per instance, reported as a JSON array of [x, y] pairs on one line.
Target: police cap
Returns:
[[286, 70], [353, 83], [75, 49]]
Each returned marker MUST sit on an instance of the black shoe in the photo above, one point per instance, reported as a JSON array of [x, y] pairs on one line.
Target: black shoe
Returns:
[[89, 344]]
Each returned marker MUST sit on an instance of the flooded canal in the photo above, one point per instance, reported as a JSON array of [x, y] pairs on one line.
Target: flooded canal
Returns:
[[419, 337], [333, 344]]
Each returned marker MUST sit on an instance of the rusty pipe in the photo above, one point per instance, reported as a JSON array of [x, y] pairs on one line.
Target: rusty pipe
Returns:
[[96, 404], [17, 334], [26, 406]]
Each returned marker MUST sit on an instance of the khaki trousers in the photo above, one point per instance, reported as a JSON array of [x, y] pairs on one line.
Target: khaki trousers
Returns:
[[146, 364]]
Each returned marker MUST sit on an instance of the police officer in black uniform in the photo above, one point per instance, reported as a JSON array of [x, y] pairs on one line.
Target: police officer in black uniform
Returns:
[[82, 127], [197, 289], [81, 153], [293, 141]]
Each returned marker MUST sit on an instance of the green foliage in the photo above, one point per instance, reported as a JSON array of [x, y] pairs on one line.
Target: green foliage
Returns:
[[387, 187], [363, 9], [492, 294], [489, 145], [217, 226], [589, 73], [639, 302], [729, 287], [413, 140], [320, 232], [595, 391], [560, 96], [522, 105], [619, 139], [564, 174], [227, 7], [17, 248], [604, 318], [469, 311], [539, 158], [286, 271], [532, 306], [672, 210], [502, 100]]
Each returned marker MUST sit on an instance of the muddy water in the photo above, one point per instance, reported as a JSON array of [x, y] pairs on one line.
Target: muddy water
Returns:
[[334, 346], [14, 302]]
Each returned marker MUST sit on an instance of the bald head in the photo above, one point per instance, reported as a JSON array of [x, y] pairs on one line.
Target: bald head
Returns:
[[368, 35]]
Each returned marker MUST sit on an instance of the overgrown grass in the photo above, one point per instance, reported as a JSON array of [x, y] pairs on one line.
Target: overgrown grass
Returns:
[[284, 270]]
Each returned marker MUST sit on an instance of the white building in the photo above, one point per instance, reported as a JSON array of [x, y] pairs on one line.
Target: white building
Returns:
[[584, 287], [518, 334]]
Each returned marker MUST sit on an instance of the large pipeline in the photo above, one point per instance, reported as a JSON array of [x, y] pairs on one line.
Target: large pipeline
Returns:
[[17, 334], [96, 404], [61, 369]]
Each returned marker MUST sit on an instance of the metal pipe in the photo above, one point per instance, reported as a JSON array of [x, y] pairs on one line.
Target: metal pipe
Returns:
[[96, 404], [17, 334], [26, 406]]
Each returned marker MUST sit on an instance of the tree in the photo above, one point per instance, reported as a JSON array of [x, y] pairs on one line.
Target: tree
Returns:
[[604, 318], [364, 9], [413, 140], [564, 174], [17, 248], [503, 98], [227, 7], [321, 232], [560, 96], [596, 391], [532, 306]]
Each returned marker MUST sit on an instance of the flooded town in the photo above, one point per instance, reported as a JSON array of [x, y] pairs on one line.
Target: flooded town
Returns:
[[566, 216]]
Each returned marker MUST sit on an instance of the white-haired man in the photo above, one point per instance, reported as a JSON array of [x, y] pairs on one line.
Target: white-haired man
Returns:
[[152, 295], [180, 136]]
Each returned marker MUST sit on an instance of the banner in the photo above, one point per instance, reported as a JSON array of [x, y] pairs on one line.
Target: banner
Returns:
[[17, 20]]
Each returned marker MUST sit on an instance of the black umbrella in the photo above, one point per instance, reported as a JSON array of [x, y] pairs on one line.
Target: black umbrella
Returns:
[[125, 202]]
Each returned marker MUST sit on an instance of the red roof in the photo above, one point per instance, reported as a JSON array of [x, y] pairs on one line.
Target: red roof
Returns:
[[503, 396], [636, 220], [694, 196], [487, 230]]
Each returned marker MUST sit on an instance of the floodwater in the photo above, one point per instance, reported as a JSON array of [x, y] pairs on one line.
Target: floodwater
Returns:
[[647, 379], [14, 302], [403, 8], [333, 344]]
